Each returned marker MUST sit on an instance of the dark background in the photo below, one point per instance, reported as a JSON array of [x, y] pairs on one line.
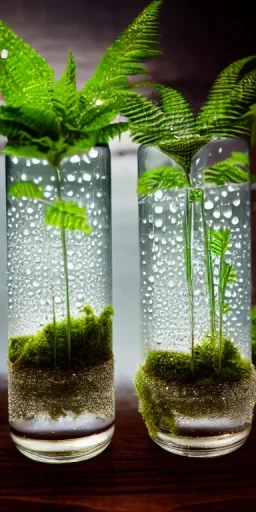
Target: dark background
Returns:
[[199, 38]]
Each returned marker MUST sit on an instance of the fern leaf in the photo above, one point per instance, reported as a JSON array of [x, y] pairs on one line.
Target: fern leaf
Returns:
[[25, 77], [24, 151], [177, 109], [219, 241], [67, 215], [124, 57], [230, 98], [26, 189], [111, 131], [228, 275], [164, 178], [36, 122], [66, 97], [228, 170]]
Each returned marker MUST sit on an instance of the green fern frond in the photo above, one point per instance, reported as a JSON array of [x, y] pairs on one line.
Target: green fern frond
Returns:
[[228, 171], [164, 178], [111, 131], [177, 109], [219, 241], [25, 77], [129, 51], [230, 98], [54, 120], [67, 215], [26, 189], [228, 274]]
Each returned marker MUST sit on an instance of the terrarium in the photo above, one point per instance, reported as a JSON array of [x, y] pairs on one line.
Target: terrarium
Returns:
[[60, 313], [196, 385], [60, 363]]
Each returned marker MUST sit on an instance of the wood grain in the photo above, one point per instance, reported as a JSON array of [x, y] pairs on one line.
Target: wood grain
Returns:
[[133, 474]]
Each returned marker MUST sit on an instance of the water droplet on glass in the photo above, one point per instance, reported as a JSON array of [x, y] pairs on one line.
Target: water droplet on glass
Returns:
[[159, 209], [151, 279], [227, 212], [235, 221], [26, 232], [93, 153], [216, 214], [158, 194], [71, 177], [208, 205], [87, 176], [158, 223], [28, 272], [236, 202], [224, 193]]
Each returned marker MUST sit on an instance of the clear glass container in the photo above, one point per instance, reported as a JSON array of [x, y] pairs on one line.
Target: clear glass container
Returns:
[[61, 375], [196, 385]]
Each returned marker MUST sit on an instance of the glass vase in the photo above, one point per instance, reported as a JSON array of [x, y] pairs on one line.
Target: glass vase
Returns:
[[196, 385], [61, 375]]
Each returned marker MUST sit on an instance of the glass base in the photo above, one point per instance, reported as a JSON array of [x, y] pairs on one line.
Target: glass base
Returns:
[[213, 446], [63, 451]]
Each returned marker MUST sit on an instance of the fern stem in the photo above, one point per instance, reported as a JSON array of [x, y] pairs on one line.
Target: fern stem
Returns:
[[188, 242], [209, 272], [54, 331], [220, 293], [65, 264]]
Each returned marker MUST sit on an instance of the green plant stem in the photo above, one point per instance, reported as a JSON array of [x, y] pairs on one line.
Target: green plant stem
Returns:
[[209, 272], [188, 237], [220, 293], [65, 263]]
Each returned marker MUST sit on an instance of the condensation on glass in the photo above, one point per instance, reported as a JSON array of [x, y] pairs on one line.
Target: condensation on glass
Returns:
[[165, 309], [37, 296]]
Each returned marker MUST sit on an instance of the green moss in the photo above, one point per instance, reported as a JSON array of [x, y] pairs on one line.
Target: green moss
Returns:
[[91, 338], [162, 403], [153, 411], [176, 366]]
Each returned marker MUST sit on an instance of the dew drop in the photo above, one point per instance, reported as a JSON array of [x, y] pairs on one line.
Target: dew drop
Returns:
[[235, 221], [216, 214], [158, 223], [209, 205], [158, 194], [227, 212]]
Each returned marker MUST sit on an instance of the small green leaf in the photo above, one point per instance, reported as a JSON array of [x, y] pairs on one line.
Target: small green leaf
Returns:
[[162, 178], [67, 215], [228, 274], [26, 189], [219, 241], [228, 171], [226, 308]]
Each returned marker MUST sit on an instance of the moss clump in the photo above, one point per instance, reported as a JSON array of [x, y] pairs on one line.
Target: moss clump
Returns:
[[176, 366], [165, 406], [91, 341]]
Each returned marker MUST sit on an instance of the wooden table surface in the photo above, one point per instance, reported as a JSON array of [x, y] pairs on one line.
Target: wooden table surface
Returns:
[[132, 475]]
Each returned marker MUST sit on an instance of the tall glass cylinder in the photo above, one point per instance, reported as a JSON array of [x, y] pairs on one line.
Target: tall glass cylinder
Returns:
[[61, 383], [196, 386]]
